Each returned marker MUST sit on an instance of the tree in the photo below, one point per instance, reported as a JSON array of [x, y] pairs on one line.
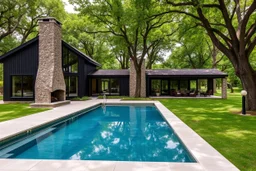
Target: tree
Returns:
[[132, 21], [76, 31], [11, 13], [39, 9], [238, 39]]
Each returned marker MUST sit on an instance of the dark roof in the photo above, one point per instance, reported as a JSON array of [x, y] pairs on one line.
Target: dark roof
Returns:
[[18, 48], [36, 39], [185, 72], [111, 72]]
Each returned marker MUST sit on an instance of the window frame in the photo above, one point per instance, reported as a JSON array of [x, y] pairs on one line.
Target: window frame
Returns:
[[22, 90]]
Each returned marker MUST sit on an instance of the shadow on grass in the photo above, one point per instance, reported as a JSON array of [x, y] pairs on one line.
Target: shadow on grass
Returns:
[[11, 111], [232, 135]]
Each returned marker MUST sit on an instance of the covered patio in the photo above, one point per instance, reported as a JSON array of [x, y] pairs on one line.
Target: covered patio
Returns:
[[185, 83]]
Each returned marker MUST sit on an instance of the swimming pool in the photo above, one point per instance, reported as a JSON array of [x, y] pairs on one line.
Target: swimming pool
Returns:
[[114, 133]]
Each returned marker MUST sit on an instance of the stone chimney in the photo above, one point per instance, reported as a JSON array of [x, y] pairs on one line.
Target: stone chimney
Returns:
[[50, 83], [133, 79]]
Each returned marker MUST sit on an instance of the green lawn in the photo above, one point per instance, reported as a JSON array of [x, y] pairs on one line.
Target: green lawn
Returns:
[[232, 135], [11, 111]]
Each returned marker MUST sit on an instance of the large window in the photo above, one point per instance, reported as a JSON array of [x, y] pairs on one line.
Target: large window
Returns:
[[174, 85], [22, 86], [70, 61], [71, 86], [109, 86], [114, 84], [183, 84], [164, 87], [155, 86]]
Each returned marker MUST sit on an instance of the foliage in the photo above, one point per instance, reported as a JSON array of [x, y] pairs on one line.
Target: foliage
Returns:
[[1, 83], [213, 119], [1, 97], [84, 98], [133, 22], [231, 27], [11, 111], [96, 46]]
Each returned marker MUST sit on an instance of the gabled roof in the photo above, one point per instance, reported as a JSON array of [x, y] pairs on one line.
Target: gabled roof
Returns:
[[185, 72], [18, 48], [111, 72], [89, 59], [36, 39]]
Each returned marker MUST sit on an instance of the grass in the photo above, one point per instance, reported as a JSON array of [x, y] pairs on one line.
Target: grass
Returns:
[[232, 135], [84, 98], [11, 111]]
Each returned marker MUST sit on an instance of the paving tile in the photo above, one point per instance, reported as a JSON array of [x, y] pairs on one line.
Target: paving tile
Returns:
[[100, 165], [19, 164], [48, 165]]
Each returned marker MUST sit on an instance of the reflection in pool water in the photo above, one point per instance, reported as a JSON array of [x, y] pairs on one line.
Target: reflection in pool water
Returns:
[[121, 133]]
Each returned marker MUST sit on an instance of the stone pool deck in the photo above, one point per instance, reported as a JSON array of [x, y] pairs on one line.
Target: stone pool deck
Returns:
[[206, 156]]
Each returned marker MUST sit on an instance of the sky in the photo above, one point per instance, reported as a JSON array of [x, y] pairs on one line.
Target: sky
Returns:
[[68, 7]]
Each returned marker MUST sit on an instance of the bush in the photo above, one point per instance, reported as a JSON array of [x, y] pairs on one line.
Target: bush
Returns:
[[1, 84]]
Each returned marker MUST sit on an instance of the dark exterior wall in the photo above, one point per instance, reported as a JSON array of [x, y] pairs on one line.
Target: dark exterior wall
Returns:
[[123, 83], [86, 86], [124, 86], [22, 62]]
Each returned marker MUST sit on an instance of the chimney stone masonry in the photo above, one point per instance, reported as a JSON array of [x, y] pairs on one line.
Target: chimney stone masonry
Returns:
[[50, 79], [132, 79]]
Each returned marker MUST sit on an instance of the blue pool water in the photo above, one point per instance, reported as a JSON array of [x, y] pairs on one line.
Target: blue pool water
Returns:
[[120, 133]]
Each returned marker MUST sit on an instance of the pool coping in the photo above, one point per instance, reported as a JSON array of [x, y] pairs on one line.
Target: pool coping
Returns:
[[206, 156]]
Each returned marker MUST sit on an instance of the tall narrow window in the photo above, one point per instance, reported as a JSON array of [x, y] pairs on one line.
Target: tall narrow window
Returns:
[[71, 86], [70, 61], [22, 86]]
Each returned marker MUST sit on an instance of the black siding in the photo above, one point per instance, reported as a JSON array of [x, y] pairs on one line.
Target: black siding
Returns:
[[22, 62], [123, 82]]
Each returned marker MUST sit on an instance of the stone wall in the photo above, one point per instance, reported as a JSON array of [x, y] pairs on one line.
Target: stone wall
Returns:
[[49, 75], [224, 88], [133, 79]]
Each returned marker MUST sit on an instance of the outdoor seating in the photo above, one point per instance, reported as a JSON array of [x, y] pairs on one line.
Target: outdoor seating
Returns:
[[207, 93]]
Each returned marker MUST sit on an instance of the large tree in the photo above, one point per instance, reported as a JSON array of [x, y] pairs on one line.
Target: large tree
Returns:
[[132, 21], [231, 26]]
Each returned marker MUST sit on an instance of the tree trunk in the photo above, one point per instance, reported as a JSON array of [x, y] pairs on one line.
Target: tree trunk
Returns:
[[138, 82], [248, 78]]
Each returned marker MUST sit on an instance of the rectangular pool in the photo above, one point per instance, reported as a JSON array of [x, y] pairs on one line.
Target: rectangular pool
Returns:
[[113, 133]]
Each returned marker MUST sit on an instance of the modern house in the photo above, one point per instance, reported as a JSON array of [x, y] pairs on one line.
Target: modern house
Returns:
[[47, 68]]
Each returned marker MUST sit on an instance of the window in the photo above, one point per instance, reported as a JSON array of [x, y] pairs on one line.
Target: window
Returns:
[[71, 86], [22, 86], [183, 84], [193, 84], [155, 86], [70, 61], [108, 86], [114, 84], [174, 85]]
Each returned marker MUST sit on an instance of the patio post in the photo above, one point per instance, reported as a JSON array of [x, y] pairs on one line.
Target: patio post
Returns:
[[224, 88]]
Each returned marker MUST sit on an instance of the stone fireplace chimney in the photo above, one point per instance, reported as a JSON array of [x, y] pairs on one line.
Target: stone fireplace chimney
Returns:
[[50, 83]]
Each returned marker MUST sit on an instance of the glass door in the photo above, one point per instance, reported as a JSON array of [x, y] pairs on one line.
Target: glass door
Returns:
[[164, 87]]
